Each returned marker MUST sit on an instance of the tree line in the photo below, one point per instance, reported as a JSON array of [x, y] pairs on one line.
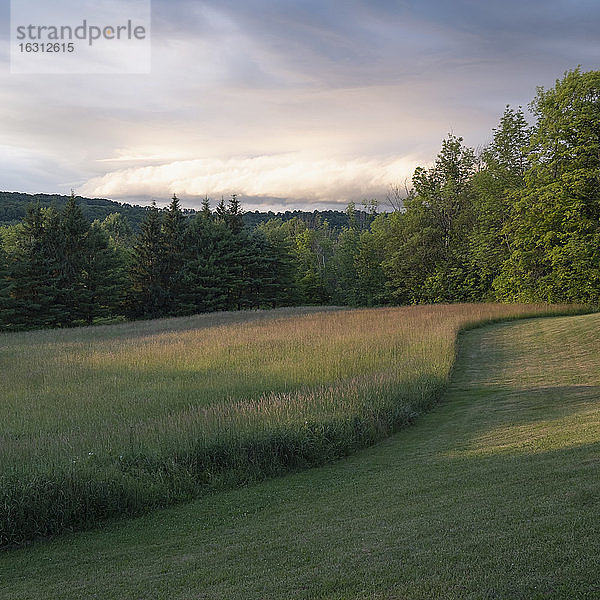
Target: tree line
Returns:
[[517, 221]]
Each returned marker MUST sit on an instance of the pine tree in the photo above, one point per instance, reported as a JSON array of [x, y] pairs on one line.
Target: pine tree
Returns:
[[206, 212], [7, 308], [234, 215], [35, 270], [103, 276], [204, 277], [149, 278], [221, 210], [73, 229], [280, 262], [173, 230]]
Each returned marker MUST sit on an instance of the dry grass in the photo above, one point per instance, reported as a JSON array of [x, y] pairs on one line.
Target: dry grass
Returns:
[[114, 420]]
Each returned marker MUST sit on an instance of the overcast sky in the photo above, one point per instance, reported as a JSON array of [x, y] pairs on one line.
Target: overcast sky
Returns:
[[291, 104]]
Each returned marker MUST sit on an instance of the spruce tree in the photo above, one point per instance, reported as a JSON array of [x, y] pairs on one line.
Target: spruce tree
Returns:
[[280, 262], [72, 291], [204, 277], [149, 278], [234, 215], [173, 229], [103, 276], [206, 212], [7, 308], [221, 211], [35, 271]]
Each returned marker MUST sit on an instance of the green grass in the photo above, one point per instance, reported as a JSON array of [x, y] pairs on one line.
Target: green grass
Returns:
[[113, 421], [493, 494]]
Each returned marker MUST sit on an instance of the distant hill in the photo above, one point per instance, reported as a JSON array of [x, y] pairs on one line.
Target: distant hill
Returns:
[[14, 204]]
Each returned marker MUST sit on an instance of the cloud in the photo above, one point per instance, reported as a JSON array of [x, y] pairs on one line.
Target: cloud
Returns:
[[290, 99], [285, 176]]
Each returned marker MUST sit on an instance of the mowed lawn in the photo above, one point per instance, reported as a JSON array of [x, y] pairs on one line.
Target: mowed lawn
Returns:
[[493, 494]]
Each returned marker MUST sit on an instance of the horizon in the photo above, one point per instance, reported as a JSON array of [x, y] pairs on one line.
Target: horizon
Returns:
[[163, 203]]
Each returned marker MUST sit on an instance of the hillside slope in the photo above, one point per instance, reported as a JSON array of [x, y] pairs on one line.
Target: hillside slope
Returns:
[[494, 494]]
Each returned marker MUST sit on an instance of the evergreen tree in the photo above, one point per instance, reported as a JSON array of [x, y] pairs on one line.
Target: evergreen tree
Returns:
[[234, 215], [173, 229], [35, 270], [104, 277], [205, 279], [206, 212], [72, 251], [280, 262], [238, 262], [221, 211], [7, 312], [259, 286], [239, 265], [148, 296]]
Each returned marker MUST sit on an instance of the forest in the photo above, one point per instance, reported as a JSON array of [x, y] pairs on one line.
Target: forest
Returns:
[[518, 221]]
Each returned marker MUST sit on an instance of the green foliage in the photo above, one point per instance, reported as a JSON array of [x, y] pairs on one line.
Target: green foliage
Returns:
[[234, 215], [555, 226], [519, 222], [104, 276], [429, 261], [203, 278], [73, 248], [61, 271], [370, 285], [497, 186], [6, 285], [173, 237], [148, 296], [342, 269], [280, 238], [119, 230], [314, 249]]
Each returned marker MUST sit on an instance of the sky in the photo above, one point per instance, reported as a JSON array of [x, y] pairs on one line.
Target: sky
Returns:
[[289, 104]]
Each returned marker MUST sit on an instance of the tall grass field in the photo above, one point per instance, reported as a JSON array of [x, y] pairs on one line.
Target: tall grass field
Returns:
[[116, 420]]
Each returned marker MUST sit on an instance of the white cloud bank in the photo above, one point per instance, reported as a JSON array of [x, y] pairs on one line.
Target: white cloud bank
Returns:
[[291, 176]]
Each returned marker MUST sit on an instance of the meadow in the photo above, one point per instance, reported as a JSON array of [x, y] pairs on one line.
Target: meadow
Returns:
[[113, 421], [491, 495]]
